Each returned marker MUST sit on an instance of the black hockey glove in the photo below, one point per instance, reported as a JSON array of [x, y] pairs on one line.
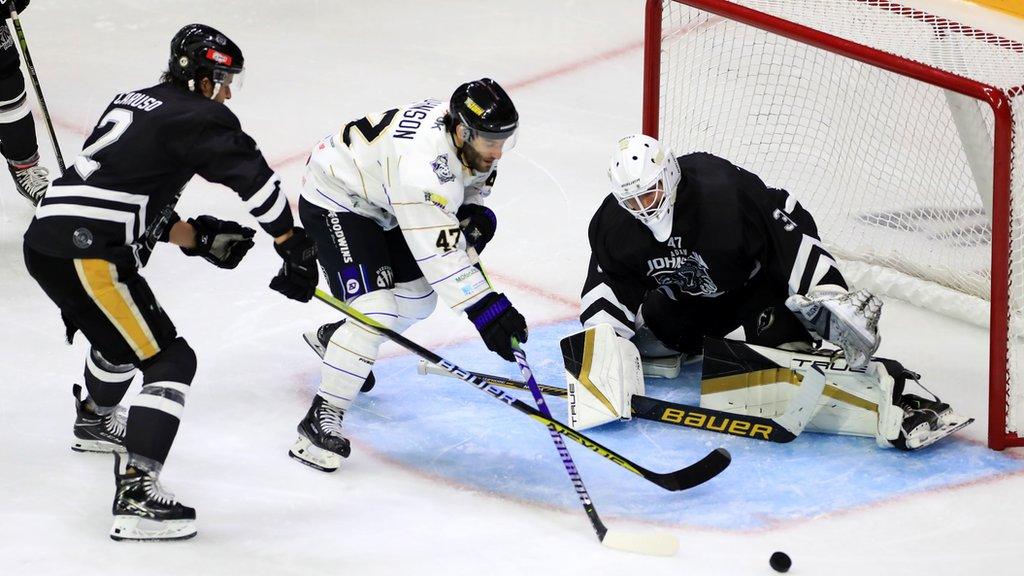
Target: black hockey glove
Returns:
[[497, 321], [220, 242], [18, 5], [478, 224], [298, 276]]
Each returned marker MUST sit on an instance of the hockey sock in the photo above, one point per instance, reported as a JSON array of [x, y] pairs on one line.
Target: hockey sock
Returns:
[[106, 382], [17, 130], [352, 349], [416, 301], [156, 412], [347, 363]]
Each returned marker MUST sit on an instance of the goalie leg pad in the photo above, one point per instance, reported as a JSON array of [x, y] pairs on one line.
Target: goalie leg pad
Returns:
[[758, 381], [603, 372]]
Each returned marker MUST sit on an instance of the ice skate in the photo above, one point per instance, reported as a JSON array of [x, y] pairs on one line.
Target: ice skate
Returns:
[[320, 443], [30, 179], [97, 432], [926, 422], [143, 511]]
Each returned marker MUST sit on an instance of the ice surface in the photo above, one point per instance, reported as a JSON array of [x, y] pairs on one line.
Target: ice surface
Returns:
[[442, 480]]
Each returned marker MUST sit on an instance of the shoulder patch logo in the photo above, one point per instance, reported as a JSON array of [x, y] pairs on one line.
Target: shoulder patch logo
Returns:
[[442, 170]]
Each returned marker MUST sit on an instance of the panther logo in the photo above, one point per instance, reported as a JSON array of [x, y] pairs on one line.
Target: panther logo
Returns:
[[684, 270], [442, 170]]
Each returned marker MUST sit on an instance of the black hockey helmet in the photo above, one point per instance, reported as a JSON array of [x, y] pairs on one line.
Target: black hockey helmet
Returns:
[[485, 109], [199, 51]]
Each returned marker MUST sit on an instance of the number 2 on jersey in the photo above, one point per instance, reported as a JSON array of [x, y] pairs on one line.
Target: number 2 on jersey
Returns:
[[121, 120], [368, 130]]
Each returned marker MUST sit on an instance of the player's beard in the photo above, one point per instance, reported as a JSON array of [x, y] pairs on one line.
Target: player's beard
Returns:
[[474, 159]]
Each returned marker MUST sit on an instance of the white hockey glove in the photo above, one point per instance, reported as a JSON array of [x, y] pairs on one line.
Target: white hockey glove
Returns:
[[847, 319]]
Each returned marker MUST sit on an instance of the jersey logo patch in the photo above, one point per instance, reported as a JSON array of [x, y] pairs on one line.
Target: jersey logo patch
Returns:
[[442, 170], [385, 277], [435, 199], [684, 270], [765, 320]]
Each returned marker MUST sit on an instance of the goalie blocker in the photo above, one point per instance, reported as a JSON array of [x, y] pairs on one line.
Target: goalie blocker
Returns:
[[778, 388]]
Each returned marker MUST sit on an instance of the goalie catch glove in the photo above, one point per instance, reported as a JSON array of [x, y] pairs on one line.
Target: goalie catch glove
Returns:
[[847, 319], [220, 242]]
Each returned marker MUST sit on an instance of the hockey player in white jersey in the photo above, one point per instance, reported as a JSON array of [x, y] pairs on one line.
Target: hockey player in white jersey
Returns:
[[394, 201]]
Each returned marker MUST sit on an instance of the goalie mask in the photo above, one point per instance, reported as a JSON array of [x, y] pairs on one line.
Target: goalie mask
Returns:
[[644, 175]]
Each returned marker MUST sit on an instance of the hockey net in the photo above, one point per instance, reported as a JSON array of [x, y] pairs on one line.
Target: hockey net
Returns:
[[900, 131]]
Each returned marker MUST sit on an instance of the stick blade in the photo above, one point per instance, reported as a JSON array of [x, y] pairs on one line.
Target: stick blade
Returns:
[[648, 543], [694, 475]]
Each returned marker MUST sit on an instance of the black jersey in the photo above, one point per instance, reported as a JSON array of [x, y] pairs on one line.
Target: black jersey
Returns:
[[728, 227], [121, 191]]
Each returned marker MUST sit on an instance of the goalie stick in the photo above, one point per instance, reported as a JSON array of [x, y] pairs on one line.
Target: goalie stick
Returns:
[[655, 544], [782, 429], [694, 475]]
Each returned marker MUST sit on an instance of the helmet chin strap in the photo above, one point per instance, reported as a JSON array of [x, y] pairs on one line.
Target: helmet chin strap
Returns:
[[216, 90], [460, 151]]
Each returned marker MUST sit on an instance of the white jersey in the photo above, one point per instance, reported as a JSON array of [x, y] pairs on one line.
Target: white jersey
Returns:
[[401, 168]]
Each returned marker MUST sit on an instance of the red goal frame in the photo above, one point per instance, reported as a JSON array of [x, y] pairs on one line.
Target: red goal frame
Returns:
[[998, 99]]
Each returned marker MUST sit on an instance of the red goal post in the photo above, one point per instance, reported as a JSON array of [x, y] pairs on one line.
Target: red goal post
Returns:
[[902, 131]]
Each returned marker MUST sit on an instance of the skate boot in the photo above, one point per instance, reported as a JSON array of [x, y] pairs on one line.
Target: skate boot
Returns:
[[926, 421], [143, 511], [320, 443], [318, 342], [97, 432], [30, 179]]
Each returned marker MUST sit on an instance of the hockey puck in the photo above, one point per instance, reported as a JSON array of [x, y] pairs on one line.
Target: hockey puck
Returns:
[[780, 562]]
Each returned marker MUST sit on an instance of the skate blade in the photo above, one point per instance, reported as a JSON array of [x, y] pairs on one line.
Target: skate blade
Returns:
[[97, 446], [136, 528], [304, 451], [951, 424], [314, 343]]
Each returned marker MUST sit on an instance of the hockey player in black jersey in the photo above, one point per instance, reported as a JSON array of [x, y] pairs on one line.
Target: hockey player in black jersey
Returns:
[[96, 228], [693, 247], [17, 130]]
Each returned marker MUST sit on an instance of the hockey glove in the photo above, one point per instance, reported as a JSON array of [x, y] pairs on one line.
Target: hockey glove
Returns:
[[478, 224], [298, 276], [498, 322], [220, 242], [847, 319]]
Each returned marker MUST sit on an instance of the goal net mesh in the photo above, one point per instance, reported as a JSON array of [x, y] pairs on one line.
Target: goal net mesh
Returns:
[[897, 172]]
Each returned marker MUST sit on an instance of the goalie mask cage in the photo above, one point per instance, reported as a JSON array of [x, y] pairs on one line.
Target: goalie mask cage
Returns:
[[901, 132]]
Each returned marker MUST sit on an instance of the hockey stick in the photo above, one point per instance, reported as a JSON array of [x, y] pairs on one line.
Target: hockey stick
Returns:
[[39, 90], [654, 544], [783, 429], [695, 474]]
